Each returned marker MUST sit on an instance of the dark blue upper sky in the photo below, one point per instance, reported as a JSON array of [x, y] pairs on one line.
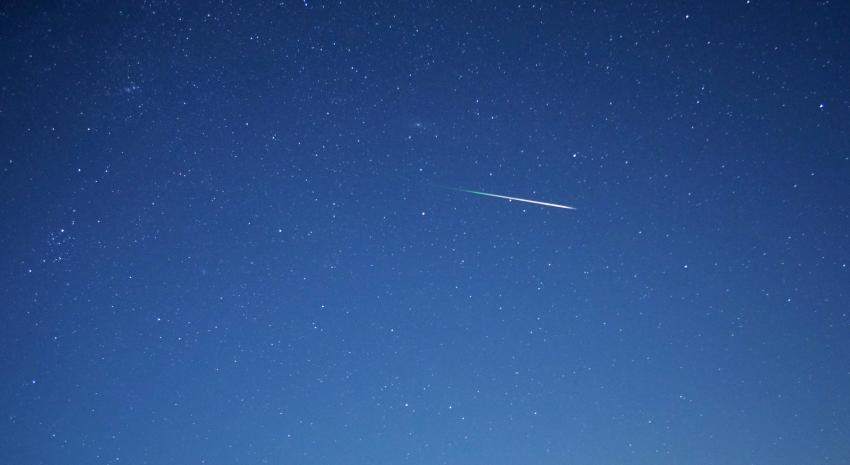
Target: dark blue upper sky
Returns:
[[227, 238]]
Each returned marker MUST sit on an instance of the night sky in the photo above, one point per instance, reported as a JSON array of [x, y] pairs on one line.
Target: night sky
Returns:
[[237, 233]]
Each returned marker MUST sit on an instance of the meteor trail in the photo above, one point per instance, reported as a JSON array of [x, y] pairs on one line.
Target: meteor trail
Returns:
[[536, 202]]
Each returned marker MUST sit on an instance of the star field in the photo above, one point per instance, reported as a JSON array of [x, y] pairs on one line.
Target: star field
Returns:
[[236, 233]]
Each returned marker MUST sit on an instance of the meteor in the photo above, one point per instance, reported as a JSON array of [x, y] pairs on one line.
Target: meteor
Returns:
[[506, 197]]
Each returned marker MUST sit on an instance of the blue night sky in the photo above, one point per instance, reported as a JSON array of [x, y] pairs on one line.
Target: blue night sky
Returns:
[[237, 233]]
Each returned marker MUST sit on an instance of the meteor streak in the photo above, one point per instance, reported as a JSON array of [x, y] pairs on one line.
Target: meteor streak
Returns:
[[536, 202]]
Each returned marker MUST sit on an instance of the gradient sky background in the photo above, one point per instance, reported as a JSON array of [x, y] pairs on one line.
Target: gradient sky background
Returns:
[[224, 238]]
